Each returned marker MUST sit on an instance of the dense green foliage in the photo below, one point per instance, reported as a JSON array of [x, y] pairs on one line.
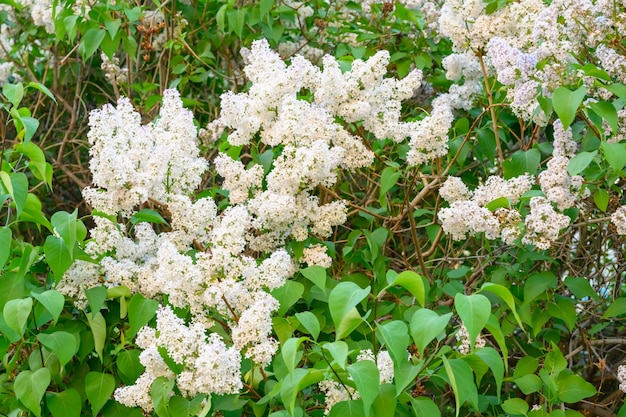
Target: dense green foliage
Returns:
[[542, 326]]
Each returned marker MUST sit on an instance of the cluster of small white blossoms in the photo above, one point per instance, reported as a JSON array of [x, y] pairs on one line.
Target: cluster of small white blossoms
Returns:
[[40, 12], [159, 164], [112, 70], [316, 255], [314, 145], [465, 347], [467, 212], [621, 377], [335, 392], [618, 218], [557, 185], [8, 74]]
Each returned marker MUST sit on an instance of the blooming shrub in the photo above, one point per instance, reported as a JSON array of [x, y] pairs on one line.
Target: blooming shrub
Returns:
[[285, 208]]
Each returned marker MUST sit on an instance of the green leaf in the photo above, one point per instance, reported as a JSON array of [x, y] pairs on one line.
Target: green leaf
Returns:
[[426, 325], [500, 202], [140, 311], [16, 313], [462, 382], [64, 404], [6, 238], [58, 256], [30, 127], [63, 344], [148, 216], [414, 283], [365, 375], [425, 407], [388, 178], [615, 155], [493, 359], [310, 322], [37, 160], [112, 26], [338, 351], [317, 275], [265, 7], [565, 311], [566, 103], [537, 284], [95, 298], [30, 387], [42, 88], [504, 293], [573, 388], [16, 185], [385, 403], [293, 383], [515, 406], [98, 388], [529, 384], [53, 301], [289, 352], [522, 162], [98, 330], [91, 41], [579, 162], [287, 295], [617, 308], [181, 407], [601, 198], [474, 311], [69, 228], [350, 408], [580, 287], [342, 303], [236, 20], [160, 392], [14, 93], [129, 366], [395, 336], [607, 112]]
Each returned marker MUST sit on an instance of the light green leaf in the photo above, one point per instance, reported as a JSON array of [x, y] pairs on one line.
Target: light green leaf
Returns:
[[16, 313], [617, 308], [426, 325], [395, 336], [462, 382], [474, 311], [515, 407], [425, 407], [53, 301], [522, 162], [288, 295], [160, 392], [149, 216], [537, 284], [601, 198], [573, 388], [289, 352], [65, 404], [529, 384], [37, 160], [30, 127], [16, 185], [414, 283], [388, 178], [293, 383], [14, 93], [63, 344], [350, 408], [310, 322], [91, 41], [338, 351], [566, 103], [98, 330], [365, 375], [98, 388], [615, 155], [30, 387], [58, 256], [317, 275], [504, 293], [42, 88], [579, 162], [565, 311], [140, 311], [95, 298], [342, 303], [265, 6], [6, 238]]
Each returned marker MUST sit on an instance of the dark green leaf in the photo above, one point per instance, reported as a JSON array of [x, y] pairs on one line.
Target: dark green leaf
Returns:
[[140, 311], [65, 404]]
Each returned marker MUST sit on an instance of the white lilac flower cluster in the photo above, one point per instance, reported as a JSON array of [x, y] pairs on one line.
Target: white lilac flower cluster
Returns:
[[112, 70], [335, 392], [465, 344], [521, 34], [618, 218], [468, 213], [159, 164], [621, 377], [314, 144], [558, 186]]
